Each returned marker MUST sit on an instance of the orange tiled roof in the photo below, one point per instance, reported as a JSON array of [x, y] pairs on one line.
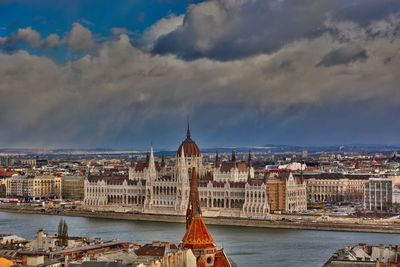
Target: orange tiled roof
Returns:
[[197, 236], [221, 260], [201, 263]]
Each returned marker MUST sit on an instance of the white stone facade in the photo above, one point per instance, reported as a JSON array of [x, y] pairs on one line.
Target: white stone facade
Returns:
[[149, 190], [233, 172], [335, 189], [378, 194], [296, 194]]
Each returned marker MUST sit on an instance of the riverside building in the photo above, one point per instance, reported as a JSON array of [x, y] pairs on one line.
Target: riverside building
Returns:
[[378, 194], [33, 187], [335, 187], [73, 187], [286, 192]]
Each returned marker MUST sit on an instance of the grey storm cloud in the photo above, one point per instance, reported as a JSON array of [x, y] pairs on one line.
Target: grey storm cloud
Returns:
[[114, 95], [121, 93], [231, 29], [343, 55]]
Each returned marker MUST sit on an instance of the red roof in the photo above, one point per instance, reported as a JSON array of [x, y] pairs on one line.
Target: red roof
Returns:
[[140, 166], [201, 262], [256, 182], [189, 147], [227, 166], [4, 173], [272, 171], [221, 260], [155, 249], [197, 236]]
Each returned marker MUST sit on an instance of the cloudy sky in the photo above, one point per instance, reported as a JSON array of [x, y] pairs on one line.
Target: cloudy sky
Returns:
[[127, 73]]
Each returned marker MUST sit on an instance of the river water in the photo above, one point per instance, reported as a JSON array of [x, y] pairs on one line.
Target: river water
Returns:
[[246, 246]]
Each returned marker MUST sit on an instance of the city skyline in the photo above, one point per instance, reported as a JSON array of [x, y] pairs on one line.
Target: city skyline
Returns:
[[247, 73]]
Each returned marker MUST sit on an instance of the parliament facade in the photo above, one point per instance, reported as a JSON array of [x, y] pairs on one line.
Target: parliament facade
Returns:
[[227, 189]]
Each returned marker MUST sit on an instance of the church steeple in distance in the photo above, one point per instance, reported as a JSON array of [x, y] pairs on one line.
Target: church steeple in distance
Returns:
[[162, 160], [249, 159], [233, 156]]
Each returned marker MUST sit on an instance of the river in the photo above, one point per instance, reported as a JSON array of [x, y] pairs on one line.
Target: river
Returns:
[[246, 246]]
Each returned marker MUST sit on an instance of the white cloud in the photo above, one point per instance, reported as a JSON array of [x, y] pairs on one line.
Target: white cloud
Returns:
[[80, 38], [24, 35], [53, 40], [159, 29]]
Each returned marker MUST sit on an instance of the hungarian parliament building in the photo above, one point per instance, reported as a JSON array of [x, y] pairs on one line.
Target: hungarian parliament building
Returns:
[[227, 188]]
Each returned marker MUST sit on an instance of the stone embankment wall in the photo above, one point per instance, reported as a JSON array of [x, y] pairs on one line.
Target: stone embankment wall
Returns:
[[278, 224]]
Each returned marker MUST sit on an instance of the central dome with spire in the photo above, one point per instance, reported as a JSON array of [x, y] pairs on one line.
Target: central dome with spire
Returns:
[[189, 147]]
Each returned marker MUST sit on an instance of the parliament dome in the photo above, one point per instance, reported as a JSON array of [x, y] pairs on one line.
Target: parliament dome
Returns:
[[189, 147]]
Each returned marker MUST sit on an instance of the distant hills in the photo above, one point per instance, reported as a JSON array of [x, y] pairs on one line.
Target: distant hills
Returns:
[[271, 148], [369, 148]]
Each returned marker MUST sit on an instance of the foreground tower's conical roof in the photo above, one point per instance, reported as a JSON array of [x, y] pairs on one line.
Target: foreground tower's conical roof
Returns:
[[197, 237]]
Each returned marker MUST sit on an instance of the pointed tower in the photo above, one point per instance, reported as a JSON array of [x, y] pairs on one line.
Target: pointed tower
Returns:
[[150, 175], [182, 173], [233, 156], [188, 130], [162, 160], [194, 202], [152, 165], [132, 161], [234, 168], [197, 237], [216, 164], [182, 177], [250, 170], [250, 162]]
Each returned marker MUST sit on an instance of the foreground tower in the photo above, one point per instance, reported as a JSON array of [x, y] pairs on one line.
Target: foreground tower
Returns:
[[197, 237]]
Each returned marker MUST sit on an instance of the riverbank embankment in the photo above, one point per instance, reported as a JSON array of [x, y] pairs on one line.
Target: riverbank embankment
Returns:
[[393, 228]]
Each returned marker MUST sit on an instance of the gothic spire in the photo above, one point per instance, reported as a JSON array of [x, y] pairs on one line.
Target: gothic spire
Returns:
[[188, 130], [162, 160], [132, 161], [151, 158], [182, 159], [216, 157], [249, 159], [233, 156], [249, 167], [193, 209]]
